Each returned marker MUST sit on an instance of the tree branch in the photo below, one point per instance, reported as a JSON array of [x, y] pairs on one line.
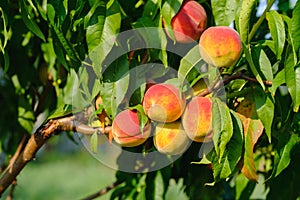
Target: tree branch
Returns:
[[103, 191], [76, 122]]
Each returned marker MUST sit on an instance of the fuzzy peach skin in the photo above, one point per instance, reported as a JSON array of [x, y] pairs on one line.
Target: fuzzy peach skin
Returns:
[[189, 23], [197, 119], [164, 103], [220, 46], [126, 129], [170, 138]]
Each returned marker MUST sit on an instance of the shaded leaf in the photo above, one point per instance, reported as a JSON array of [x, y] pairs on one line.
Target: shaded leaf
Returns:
[[247, 50], [30, 23], [278, 81], [282, 157]]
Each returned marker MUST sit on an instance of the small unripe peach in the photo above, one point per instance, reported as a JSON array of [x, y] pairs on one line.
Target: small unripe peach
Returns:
[[189, 23], [220, 46], [164, 102], [170, 138], [126, 129], [197, 119]]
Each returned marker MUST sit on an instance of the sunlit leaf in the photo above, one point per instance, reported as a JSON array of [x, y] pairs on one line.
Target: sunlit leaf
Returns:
[[244, 19], [222, 126], [296, 27], [169, 10], [192, 60], [224, 11], [264, 105], [232, 153], [276, 26], [94, 142]]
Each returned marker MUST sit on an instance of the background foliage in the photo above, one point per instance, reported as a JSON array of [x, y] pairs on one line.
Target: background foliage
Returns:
[[44, 44]]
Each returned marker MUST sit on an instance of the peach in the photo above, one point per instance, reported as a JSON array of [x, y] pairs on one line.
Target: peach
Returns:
[[197, 119], [189, 23], [220, 46], [170, 138], [164, 102], [126, 129]]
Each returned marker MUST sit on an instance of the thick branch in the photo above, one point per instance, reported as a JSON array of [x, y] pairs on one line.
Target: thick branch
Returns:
[[37, 140]]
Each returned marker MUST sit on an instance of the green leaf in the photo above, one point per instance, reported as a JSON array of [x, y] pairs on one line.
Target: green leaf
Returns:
[[143, 119], [103, 25], [247, 50], [94, 142], [115, 85], [222, 126], [232, 154], [278, 81], [244, 19], [169, 10], [292, 77], [282, 157], [296, 27], [25, 115], [277, 29], [192, 60], [264, 105], [243, 187], [152, 8], [29, 22], [224, 11]]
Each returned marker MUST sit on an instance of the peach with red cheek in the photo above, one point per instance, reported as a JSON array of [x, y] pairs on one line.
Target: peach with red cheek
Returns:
[[189, 23], [197, 119], [164, 103], [126, 129], [220, 46], [170, 138]]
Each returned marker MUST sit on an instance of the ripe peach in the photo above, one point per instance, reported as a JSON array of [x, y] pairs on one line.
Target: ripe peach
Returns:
[[197, 119], [220, 46], [189, 23], [170, 138], [126, 129], [164, 102]]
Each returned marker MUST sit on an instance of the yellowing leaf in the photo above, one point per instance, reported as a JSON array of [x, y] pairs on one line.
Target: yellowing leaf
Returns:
[[253, 129]]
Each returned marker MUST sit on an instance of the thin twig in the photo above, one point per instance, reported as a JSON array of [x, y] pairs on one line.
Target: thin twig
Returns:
[[103, 191]]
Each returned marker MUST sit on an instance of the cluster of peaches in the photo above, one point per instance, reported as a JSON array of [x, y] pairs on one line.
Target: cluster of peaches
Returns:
[[173, 120]]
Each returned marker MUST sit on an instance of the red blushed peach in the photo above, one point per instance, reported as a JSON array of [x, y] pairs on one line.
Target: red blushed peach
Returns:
[[197, 119], [170, 138], [126, 129], [220, 46], [189, 23], [164, 103]]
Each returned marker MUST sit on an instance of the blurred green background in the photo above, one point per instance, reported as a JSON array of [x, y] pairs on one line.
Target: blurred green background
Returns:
[[65, 170]]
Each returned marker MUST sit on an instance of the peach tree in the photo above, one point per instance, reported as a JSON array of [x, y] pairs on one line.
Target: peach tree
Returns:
[[205, 92]]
